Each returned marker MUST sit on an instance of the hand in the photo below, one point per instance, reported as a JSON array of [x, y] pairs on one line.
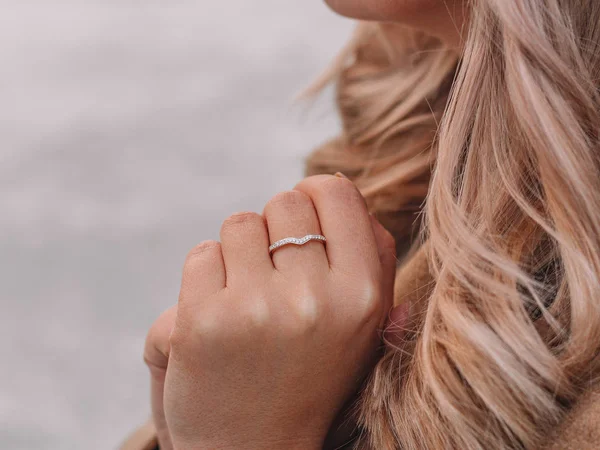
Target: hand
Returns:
[[261, 352]]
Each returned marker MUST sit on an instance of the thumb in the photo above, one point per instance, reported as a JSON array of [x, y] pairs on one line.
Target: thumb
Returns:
[[156, 356]]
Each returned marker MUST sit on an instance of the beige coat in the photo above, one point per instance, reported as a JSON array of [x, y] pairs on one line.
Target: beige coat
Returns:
[[580, 430]]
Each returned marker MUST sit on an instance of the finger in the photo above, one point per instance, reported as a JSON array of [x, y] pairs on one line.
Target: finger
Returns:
[[245, 242], [292, 214], [203, 272], [386, 248], [345, 221], [156, 356]]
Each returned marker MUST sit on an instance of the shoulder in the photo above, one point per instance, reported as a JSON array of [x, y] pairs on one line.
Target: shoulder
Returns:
[[580, 429]]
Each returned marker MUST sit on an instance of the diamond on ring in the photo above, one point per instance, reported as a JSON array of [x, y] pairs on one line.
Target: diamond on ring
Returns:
[[297, 241]]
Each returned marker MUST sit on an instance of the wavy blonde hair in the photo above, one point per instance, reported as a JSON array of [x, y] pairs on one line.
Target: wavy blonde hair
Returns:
[[508, 336]]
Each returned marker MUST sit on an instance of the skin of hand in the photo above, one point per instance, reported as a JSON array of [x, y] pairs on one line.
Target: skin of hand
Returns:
[[263, 352]]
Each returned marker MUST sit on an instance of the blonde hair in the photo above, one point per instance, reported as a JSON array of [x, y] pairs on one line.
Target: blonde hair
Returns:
[[509, 335], [391, 99]]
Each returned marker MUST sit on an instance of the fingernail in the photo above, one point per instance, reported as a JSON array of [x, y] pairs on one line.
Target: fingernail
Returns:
[[341, 175]]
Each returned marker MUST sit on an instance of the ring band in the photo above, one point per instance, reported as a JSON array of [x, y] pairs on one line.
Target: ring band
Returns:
[[297, 241]]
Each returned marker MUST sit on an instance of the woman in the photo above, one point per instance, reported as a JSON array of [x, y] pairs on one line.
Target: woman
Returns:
[[494, 341]]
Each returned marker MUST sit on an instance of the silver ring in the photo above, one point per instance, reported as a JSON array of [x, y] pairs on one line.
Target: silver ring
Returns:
[[296, 241]]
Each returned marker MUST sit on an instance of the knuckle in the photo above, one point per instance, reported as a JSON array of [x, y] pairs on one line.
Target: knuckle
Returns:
[[287, 200], [305, 309], [203, 249], [341, 188], [241, 219], [256, 313], [201, 257], [307, 312], [191, 328], [313, 181], [368, 301]]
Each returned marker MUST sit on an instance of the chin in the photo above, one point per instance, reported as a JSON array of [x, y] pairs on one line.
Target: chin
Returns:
[[441, 18], [408, 12], [383, 10]]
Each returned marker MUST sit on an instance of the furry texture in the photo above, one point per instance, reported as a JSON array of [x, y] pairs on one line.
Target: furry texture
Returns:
[[508, 336]]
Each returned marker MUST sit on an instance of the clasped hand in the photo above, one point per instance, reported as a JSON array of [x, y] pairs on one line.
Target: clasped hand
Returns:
[[261, 351]]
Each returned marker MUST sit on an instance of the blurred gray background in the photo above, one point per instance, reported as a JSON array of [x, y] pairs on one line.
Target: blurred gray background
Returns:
[[128, 131]]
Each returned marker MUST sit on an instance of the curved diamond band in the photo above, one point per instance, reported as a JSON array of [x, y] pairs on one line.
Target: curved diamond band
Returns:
[[296, 241]]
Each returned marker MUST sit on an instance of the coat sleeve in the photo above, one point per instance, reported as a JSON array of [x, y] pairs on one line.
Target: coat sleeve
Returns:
[[144, 438], [580, 430]]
